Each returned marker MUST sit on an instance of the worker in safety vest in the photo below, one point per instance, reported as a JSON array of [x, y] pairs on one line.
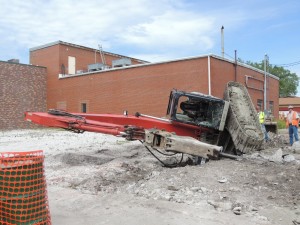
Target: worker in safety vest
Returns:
[[292, 123], [261, 116]]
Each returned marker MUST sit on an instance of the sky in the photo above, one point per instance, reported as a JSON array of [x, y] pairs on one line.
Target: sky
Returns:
[[157, 30]]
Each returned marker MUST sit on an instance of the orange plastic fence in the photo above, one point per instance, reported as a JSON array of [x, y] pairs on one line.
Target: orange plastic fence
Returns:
[[23, 193]]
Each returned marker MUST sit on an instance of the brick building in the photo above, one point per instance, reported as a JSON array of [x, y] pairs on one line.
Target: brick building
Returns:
[[22, 88], [285, 102], [73, 83], [80, 79]]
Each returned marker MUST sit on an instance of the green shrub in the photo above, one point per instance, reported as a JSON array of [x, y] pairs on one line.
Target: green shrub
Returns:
[[280, 124]]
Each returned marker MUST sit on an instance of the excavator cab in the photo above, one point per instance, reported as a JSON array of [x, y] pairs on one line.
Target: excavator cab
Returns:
[[197, 109]]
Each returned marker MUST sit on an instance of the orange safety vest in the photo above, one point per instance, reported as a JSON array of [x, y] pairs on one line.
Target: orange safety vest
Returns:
[[295, 121]]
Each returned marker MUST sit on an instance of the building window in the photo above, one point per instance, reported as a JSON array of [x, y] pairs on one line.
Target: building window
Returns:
[[271, 105], [71, 65], [260, 104], [83, 107]]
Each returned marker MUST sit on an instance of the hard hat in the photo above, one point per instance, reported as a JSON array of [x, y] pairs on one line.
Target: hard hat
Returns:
[[291, 107]]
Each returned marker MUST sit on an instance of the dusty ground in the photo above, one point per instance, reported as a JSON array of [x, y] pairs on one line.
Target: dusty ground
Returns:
[[99, 179]]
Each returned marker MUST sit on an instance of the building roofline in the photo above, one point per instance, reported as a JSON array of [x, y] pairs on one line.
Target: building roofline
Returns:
[[146, 63], [201, 56], [246, 65], [220, 58], [82, 47], [170, 61], [21, 64]]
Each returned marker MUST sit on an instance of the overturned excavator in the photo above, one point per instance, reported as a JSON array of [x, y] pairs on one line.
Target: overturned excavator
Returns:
[[198, 125]]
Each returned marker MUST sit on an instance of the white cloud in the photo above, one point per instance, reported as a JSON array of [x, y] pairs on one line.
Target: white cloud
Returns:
[[172, 29], [43, 21], [147, 25], [159, 29]]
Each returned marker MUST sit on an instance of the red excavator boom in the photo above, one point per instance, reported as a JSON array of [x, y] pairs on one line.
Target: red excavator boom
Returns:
[[155, 133], [118, 125], [197, 124]]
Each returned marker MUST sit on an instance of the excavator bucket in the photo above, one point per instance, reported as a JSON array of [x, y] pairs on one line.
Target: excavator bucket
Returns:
[[242, 123]]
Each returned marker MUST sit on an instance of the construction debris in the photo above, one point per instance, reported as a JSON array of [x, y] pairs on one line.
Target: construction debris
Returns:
[[94, 177]]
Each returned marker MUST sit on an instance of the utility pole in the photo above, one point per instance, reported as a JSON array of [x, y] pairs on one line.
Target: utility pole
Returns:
[[235, 66], [222, 40], [265, 82]]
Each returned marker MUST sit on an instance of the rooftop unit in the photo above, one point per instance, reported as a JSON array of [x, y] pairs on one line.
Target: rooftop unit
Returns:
[[13, 60], [121, 62], [96, 67]]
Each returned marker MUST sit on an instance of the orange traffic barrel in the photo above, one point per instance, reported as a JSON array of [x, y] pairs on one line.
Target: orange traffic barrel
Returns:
[[23, 189]]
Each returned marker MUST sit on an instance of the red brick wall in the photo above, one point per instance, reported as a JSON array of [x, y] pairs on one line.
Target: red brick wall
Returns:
[[142, 88], [223, 72], [145, 89], [22, 88], [54, 56], [84, 57]]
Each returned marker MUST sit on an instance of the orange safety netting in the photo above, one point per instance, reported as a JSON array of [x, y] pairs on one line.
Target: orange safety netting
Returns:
[[23, 193]]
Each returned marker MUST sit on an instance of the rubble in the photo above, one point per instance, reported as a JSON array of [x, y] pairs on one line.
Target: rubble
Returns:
[[276, 157], [289, 158], [222, 180], [237, 210], [98, 178], [296, 147], [276, 141]]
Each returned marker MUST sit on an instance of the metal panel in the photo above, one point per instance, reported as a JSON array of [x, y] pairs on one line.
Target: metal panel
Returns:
[[95, 66], [121, 62]]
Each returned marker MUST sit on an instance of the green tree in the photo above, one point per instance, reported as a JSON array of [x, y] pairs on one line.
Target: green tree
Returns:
[[288, 82]]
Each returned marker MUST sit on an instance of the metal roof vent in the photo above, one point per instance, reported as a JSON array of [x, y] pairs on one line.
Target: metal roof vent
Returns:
[[96, 67], [13, 61], [121, 62]]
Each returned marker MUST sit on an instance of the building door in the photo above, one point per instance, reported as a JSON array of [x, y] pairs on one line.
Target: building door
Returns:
[[71, 65], [83, 107]]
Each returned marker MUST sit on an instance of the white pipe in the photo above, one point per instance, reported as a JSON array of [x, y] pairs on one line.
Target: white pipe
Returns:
[[265, 83], [209, 82], [222, 40]]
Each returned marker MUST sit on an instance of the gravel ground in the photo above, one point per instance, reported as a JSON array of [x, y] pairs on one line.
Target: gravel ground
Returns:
[[99, 179]]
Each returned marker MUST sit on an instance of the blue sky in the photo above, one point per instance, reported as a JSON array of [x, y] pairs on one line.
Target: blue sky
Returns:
[[156, 30]]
